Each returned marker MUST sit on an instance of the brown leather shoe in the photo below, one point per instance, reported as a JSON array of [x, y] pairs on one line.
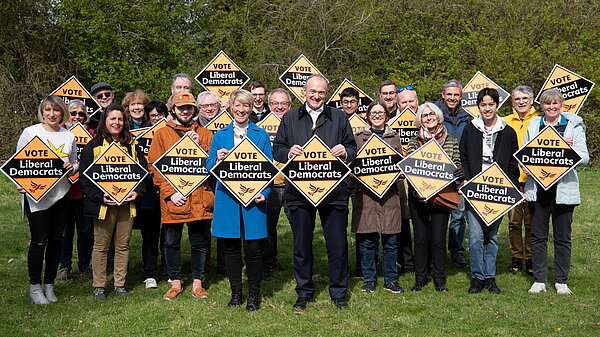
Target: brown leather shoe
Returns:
[[199, 292], [172, 294]]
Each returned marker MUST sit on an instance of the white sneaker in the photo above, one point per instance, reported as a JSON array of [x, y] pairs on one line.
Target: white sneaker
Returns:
[[150, 283], [49, 293], [562, 289], [537, 287]]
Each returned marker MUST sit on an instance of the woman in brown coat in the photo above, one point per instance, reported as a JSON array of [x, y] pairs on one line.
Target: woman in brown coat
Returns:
[[372, 216]]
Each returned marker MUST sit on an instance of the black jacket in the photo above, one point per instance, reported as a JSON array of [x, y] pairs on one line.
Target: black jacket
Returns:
[[254, 117], [296, 129], [471, 152], [94, 197]]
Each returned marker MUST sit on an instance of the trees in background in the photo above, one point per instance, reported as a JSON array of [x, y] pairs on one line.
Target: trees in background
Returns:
[[141, 44]]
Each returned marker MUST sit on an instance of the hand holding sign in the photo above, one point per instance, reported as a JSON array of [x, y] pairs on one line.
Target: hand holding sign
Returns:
[[338, 151]]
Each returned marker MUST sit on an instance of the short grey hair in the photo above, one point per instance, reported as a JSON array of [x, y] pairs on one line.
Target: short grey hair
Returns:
[[432, 107], [452, 84], [78, 104], [205, 94], [551, 95], [524, 89], [282, 91], [317, 76], [182, 75]]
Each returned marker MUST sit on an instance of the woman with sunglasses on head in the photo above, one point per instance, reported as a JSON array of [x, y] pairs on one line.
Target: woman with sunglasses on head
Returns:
[[110, 220], [559, 200], [430, 222], [76, 220], [374, 217], [47, 216]]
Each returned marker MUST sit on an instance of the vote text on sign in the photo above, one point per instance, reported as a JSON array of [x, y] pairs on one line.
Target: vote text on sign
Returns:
[[220, 121], [35, 168], [82, 137], [574, 88], [222, 76], [116, 173], [470, 91], [404, 124], [183, 166], [357, 124], [294, 78], [547, 157], [492, 194], [377, 165], [270, 124], [72, 90], [316, 172], [428, 169], [245, 171]]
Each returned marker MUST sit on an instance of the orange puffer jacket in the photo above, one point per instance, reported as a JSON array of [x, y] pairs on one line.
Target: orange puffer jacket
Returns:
[[199, 204]]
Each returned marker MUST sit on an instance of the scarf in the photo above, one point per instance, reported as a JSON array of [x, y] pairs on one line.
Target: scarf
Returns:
[[439, 134]]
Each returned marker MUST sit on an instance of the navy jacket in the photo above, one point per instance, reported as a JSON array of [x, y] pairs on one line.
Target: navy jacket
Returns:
[[296, 129]]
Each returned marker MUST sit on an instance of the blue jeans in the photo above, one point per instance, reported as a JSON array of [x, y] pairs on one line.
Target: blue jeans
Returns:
[[369, 245], [483, 245], [197, 248], [456, 230], [85, 238]]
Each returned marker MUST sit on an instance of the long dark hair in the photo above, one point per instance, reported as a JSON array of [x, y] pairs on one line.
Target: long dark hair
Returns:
[[125, 137]]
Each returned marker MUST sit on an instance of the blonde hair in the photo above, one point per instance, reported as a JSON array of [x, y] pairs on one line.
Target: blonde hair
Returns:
[[55, 102]]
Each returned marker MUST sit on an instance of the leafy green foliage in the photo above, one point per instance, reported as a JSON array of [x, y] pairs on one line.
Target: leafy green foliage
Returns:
[[141, 44]]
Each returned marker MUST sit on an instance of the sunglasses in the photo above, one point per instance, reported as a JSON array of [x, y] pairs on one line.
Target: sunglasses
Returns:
[[409, 87], [104, 95], [75, 113]]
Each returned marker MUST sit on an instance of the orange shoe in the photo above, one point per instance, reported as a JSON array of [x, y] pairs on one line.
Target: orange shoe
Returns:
[[199, 292], [172, 294]]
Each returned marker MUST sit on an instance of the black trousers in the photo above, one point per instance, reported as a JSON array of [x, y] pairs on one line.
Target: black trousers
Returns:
[[254, 263], [274, 205], [334, 220], [46, 229], [405, 249], [148, 221], [430, 225], [562, 218]]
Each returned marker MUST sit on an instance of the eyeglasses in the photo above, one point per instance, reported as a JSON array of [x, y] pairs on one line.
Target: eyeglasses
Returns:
[[206, 106], [409, 87], [377, 113], [429, 114], [157, 115], [349, 102], [283, 104], [104, 95], [75, 113]]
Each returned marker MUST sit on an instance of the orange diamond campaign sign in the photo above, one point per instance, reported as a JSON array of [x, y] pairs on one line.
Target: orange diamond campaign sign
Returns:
[[363, 99], [245, 171], [35, 168], [357, 124], [492, 194], [116, 173], [270, 124], [222, 76], [377, 165], [547, 157], [183, 166], [296, 75], [144, 139], [404, 124], [574, 88], [470, 91], [315, 173], [82, 137], [220, 121], [72, 90], [428, 169]]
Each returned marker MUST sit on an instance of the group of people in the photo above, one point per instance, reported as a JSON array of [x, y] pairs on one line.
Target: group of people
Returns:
[[104, 227]]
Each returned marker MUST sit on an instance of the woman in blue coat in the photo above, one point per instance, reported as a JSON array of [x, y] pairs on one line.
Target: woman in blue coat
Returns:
[[231, 218]]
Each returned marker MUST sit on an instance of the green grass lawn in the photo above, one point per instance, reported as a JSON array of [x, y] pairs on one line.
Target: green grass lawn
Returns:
[[428, 313]]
